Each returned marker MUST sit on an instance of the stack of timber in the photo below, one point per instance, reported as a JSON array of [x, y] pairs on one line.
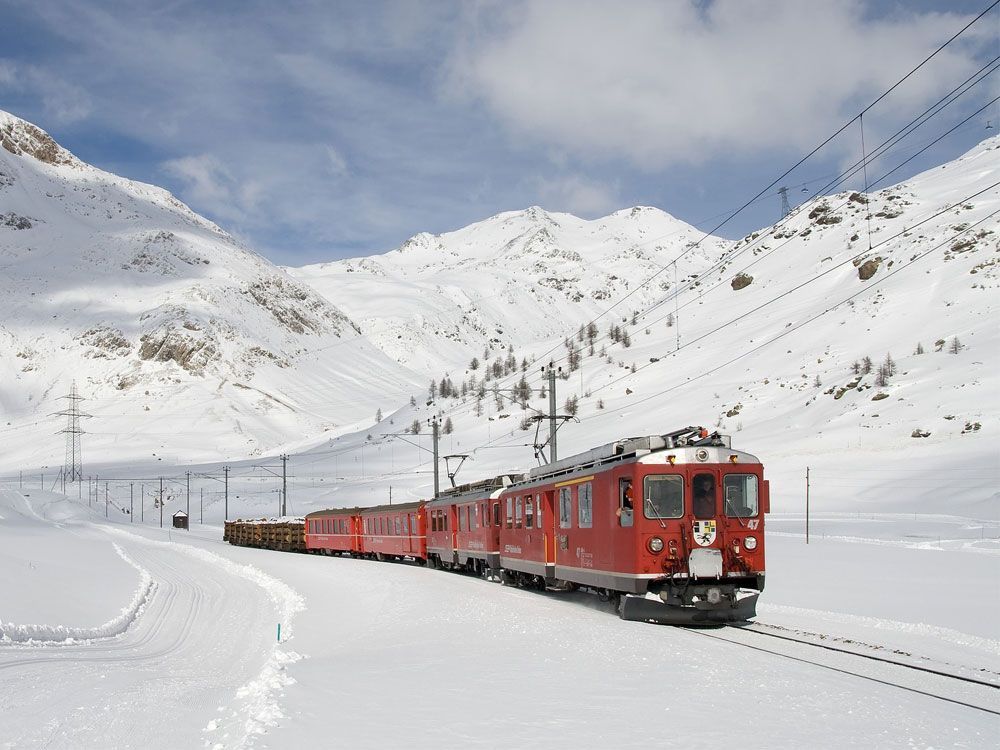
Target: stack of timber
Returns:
[[285, 534]]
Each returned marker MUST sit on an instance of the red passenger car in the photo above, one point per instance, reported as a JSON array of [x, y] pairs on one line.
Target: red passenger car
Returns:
[[392, 532], [463, 527], [671, 525], [334, 532]]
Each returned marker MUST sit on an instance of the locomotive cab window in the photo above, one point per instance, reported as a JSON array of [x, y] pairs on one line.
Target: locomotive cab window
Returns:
[[510, 512], [529, 512], [625, 501], [517, 513], [704, 496], [663, 496], [740, 495], [496, 515]]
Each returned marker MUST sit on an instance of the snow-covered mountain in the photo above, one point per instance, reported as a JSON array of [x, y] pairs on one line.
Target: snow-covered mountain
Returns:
[[514, 279], [191, 345], [183, 341], [761, 340]]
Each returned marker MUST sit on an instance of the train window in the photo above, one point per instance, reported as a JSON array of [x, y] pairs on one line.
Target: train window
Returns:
[[565, 508], [510, 512], [518, 512], [585, 505], [663, 496], [396, 524], [434, 520], [704, 496], [529, 512], [444, 517], [496, 514], [624, 502], [406, 525], [740, 495], [485, 516], [474, 516]]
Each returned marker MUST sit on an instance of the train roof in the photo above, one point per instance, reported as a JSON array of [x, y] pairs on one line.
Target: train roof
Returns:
[[335, 512], [476, 490], [633, 448]]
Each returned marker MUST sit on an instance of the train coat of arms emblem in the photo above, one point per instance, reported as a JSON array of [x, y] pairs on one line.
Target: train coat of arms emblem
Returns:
[[704, 532]]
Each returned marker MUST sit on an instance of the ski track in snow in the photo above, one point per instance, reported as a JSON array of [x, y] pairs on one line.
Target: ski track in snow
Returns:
[[199, 632], [256, 707]]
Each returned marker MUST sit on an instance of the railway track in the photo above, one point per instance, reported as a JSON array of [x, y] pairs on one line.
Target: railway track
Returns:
[[980, 693]]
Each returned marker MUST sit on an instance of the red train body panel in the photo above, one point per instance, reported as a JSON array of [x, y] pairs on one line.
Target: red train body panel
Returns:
[[672, 526], [334, 531], [394, 531], [681, 521], [464, 526]]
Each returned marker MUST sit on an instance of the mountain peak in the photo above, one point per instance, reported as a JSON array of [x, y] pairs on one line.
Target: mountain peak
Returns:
[[21, 138]]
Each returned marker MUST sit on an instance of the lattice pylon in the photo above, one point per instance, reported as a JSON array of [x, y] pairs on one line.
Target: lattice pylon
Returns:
[[73, 467]]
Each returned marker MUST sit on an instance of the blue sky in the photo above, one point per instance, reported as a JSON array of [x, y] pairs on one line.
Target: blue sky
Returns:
[[320, 130]]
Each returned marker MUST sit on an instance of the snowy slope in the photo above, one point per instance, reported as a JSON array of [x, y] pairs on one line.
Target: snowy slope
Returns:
[[515, 278], [183, 341], [768, 337], [768, 329]]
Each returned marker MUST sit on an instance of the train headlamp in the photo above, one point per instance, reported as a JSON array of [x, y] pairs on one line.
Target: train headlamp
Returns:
[[713, 595], [750, 542], [701, 454], [655, 545]]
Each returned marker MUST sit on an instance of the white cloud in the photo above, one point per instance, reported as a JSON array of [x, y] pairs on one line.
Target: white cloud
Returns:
[[577, 195], [338, 164], [61, 101], [661, 83], [208, 183]]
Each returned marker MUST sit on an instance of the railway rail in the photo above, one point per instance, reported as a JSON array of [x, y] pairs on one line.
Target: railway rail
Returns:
[[971, 692]]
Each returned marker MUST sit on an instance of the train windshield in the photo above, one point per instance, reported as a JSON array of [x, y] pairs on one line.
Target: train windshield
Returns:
[[740, 495], [663, 496]]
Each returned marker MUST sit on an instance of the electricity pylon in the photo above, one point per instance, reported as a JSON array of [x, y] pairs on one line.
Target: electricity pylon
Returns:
[[73, 467]]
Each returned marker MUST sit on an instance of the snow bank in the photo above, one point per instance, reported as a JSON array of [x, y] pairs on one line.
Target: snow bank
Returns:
[[256, 706], [60, 635]]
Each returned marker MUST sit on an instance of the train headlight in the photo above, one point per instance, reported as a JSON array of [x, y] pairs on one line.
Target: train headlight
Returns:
[[713, 595], [701, 454], [655, 545], [750, 542]]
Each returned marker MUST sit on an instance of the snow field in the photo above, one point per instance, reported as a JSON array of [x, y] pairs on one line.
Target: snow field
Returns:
[[398, 654], [196, 664]]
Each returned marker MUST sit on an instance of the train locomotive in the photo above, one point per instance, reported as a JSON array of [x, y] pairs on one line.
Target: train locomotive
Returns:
[[670, 527]]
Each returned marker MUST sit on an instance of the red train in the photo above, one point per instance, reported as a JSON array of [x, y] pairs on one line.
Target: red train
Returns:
[[671, 526]]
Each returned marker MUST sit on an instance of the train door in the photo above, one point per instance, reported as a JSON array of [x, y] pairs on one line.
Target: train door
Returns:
[[453, 511], [407, 535], [547, 506]]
